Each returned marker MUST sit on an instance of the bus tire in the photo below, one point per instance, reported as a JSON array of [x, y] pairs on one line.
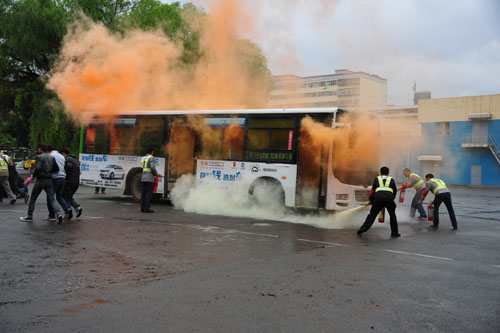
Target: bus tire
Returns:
[[135, 188], [267, 191]]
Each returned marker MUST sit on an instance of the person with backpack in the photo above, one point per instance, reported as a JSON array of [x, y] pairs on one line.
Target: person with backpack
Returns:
[[72, 168], [45, 165]]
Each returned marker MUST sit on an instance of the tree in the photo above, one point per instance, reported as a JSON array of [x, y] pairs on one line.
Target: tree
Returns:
[[31, 35]]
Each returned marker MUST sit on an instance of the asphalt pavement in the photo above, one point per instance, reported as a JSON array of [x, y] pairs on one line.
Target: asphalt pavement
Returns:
[[117, 269]]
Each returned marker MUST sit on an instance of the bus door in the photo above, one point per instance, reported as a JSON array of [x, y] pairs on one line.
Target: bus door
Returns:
[[311, 173], [181, 152]]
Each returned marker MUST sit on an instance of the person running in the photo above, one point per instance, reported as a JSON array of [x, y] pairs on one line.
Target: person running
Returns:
[[382, 196], [72, 168], [58, 181], [45, 165]]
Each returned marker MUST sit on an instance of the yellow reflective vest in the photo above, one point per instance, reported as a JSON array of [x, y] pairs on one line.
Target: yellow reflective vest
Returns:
[[384, 184], [145, 162]]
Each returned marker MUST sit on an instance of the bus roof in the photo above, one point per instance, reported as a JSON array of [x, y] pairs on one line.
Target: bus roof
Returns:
[[221, 112]]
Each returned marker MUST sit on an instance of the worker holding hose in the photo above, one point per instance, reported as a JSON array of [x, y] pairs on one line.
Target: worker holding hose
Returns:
[[382, 196]]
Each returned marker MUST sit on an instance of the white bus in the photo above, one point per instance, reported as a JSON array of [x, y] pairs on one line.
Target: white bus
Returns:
[[253, 147]]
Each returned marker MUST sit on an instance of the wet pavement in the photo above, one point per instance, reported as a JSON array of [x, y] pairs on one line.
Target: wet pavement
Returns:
[[115, 269]]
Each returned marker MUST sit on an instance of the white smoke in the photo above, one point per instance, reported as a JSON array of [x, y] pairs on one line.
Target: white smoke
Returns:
[[211, 199]]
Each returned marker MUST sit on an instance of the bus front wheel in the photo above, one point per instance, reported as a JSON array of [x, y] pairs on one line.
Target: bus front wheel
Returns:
[[267, 192]]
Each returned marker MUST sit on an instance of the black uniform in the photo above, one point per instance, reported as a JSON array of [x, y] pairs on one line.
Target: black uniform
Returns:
[[72, 183], [383, 198]]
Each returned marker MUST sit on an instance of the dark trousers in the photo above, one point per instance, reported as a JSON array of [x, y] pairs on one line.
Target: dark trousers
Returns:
[[42, 185], [377, 206], [146, 194], [446, 198], [58, 186], [69, 192]]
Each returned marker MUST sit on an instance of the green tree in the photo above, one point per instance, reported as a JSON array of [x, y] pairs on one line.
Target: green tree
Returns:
[[31, 35]]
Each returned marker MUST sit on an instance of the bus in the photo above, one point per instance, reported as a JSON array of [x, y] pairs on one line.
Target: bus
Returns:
[[253, 147]]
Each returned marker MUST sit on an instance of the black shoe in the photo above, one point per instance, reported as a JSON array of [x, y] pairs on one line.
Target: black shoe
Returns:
[[423, 217], [69, 214], [13, 201], [455, 228], [433, 226], [359, 232], [395, 235], [59, 218], [148, 211], [26, 218], [78, 211]]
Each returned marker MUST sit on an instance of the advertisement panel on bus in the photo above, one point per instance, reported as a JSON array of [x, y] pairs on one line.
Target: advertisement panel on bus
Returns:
[[229, 173], [112, 170]]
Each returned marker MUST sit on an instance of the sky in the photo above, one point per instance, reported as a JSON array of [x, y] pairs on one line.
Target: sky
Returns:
[[448, 47]]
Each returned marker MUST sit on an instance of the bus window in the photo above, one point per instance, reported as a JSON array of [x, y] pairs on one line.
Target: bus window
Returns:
[[149, 133], [122, 140], [232, 149], [180, 152], [90, 139], [270, 139], [97, 140], [279, 139], [101, 140], [221, 138], [258, 139], [211, 143]]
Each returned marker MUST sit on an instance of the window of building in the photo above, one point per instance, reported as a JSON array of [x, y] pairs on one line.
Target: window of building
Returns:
[[443, 128]]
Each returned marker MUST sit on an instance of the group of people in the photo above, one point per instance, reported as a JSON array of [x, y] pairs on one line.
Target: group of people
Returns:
[[11, 184], [384, 191], [58, 174]]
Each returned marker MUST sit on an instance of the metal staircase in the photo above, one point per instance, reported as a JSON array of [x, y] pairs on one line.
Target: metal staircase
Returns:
[[493, 145]]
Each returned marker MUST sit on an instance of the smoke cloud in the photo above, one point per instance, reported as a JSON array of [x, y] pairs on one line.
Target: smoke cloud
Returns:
[[106, 73]]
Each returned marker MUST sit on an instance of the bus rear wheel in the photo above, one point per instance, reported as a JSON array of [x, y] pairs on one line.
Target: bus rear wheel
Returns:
[[136, 190], [136, 187]]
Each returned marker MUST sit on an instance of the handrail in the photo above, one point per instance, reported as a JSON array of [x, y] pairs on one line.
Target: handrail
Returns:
[[492, 143]]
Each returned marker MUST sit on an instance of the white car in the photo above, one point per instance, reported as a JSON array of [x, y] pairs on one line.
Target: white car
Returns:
[[21, 171], [112, 172]]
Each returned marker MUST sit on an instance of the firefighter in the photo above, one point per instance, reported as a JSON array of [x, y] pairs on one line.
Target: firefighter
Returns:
[[418, 183], [149, 174], [382, 196], [441, 194]]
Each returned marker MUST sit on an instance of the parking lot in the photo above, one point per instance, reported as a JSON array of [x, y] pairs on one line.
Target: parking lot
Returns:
[[115, 269]]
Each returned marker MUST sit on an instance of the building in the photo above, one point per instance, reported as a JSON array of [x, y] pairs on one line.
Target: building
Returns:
[[461, 139], [342, 89], [400, 137]]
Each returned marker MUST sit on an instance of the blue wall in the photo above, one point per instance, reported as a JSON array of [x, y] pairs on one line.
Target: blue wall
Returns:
[[457, 160]]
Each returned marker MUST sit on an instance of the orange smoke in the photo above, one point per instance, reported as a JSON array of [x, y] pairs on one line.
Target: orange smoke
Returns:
[[106, 73], [354, 148]]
